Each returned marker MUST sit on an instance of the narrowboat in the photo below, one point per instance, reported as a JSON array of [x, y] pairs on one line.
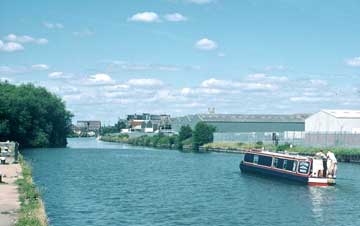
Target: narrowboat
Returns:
[[304, 169]]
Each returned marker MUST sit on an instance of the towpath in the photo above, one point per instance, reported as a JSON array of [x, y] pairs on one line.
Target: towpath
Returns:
[[9, 195]]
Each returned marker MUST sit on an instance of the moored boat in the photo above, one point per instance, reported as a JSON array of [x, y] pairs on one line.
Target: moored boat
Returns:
[[304, 169]]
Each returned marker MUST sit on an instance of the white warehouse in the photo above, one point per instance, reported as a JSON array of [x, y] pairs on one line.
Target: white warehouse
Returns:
[[344, 121]]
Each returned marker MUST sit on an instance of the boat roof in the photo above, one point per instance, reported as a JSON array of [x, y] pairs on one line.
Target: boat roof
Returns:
[[277, 154]]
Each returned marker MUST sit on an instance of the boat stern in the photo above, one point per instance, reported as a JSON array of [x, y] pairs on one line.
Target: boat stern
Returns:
[[321, 181]]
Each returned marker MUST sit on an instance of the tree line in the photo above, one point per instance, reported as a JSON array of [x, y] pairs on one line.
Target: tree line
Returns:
[[33, 116], [188, 138]]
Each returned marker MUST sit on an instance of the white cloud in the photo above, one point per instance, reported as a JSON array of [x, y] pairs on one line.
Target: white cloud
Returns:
[[221, 54], [265, 77], [56, 74], [200, 2], [10, 46], [354, 62], [318, 82], [146, 17], [25, 39], [308, 99], [175, 17], [40, 67], [226, 84], [123, 65], [101, 79], [145, 82], [53, 25], [206, 44]]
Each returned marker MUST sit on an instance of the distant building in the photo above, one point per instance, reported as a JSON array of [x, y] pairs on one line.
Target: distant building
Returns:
[[244, 123], [87, 126], [344, 121], [148, 123]]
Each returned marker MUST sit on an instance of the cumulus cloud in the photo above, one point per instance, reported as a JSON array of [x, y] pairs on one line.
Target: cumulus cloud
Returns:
[[146, 17], [40, 67], [10, 46], [175, 17], [53, 25], [145, 82], [100, 79], [206, 44], [353, 62], [25, 39]]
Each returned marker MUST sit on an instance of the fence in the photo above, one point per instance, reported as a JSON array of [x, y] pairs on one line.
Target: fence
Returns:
[[323, 139]]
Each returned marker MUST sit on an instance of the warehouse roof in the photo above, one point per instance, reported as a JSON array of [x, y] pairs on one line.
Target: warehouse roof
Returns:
[[343, 113], [245, 118]]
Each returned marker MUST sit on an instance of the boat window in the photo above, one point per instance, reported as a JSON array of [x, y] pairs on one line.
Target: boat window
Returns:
[[303, 167], [288, 164], [249, 157], [294, 166], [278, 163], [256, 159], [265, 160]]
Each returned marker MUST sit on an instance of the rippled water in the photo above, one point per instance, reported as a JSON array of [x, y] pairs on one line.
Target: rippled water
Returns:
[[97, 183]]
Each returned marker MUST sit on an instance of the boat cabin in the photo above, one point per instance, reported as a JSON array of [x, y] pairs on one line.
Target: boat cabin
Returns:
[[294, 167]]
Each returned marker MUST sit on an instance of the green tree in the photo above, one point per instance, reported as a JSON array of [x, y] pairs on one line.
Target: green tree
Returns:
[[185, 133], [203, 134], [120, 125], [33, 116]]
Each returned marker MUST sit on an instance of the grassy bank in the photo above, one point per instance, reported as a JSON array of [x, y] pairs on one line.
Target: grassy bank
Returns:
[[342, 153], [156, 141], [32, 211]]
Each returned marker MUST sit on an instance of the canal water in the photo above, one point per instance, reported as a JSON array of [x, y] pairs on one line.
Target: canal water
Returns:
[[93, 183]]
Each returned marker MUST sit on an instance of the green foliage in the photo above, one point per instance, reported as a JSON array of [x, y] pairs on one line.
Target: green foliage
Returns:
[[32, 116], [184, 134], [259, 144], [202, 134], [31, 212], [283, 147], [120, 125]]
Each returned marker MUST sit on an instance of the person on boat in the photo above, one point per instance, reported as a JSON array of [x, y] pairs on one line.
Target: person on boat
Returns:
[[331, 164], [321, 155]]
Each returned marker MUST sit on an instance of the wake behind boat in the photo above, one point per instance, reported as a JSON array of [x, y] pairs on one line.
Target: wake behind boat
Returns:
[[311, 170]]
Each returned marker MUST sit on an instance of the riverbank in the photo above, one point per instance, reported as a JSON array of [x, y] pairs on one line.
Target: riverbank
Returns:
[[156, 141], [9, 194], [32, 211], [341, 153]]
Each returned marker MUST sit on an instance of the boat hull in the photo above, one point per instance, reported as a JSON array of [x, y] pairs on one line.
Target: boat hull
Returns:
[[304, 179]]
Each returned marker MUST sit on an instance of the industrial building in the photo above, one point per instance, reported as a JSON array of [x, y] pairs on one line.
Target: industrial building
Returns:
[[244, 123], [87, 126], [148, 123], [330, 121]]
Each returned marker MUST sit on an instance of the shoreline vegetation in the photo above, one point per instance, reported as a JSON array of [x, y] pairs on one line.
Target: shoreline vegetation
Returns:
[[32, 209], [161, 141], [187, 140]]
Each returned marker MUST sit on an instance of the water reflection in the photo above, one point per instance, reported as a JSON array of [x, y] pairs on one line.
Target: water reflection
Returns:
[[321, 199]]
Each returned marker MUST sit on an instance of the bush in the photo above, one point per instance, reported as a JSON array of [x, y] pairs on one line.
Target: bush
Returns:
[[202, 134]]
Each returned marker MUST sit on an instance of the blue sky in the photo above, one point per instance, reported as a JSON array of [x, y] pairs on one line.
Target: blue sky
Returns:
[[107, 59]]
